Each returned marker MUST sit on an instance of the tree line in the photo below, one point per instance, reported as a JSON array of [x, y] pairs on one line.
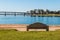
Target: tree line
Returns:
[[41, 11]]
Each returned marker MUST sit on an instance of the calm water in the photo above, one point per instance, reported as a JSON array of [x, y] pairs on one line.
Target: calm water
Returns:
[[29, 20]]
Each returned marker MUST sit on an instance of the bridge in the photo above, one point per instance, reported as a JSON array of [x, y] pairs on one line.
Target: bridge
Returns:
[[14, 13], [28, 14]]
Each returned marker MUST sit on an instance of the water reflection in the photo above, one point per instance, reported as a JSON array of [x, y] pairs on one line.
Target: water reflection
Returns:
[[29, 20]]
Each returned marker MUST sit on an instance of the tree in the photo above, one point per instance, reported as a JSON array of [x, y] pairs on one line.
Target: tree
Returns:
[[31, 11], [35, 11], [47, 11], [39, 11]]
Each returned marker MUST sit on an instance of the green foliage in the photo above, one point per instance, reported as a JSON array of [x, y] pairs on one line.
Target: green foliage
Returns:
[[17, 35]]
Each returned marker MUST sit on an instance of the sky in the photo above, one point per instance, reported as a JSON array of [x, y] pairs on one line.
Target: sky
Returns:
[[26, 5]]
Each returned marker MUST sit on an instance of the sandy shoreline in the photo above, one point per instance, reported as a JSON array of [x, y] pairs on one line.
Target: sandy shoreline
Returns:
[[23, 27], [19, 27]]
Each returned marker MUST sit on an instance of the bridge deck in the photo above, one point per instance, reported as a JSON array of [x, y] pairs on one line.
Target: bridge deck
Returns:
[[12, 13]]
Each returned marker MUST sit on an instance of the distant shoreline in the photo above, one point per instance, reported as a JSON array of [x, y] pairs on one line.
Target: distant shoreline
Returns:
[[46, 15]]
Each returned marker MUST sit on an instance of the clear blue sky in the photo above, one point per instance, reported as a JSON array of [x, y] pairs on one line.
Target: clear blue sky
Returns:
[[24, 5]]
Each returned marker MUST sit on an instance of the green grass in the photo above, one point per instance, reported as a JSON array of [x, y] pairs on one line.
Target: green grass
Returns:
[[17, 35]]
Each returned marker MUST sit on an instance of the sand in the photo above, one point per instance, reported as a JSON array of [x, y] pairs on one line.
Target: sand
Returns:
[[23, 27], [19, 27]]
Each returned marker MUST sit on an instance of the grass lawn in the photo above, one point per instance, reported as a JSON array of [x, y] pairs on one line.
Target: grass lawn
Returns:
[[17, 35]]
